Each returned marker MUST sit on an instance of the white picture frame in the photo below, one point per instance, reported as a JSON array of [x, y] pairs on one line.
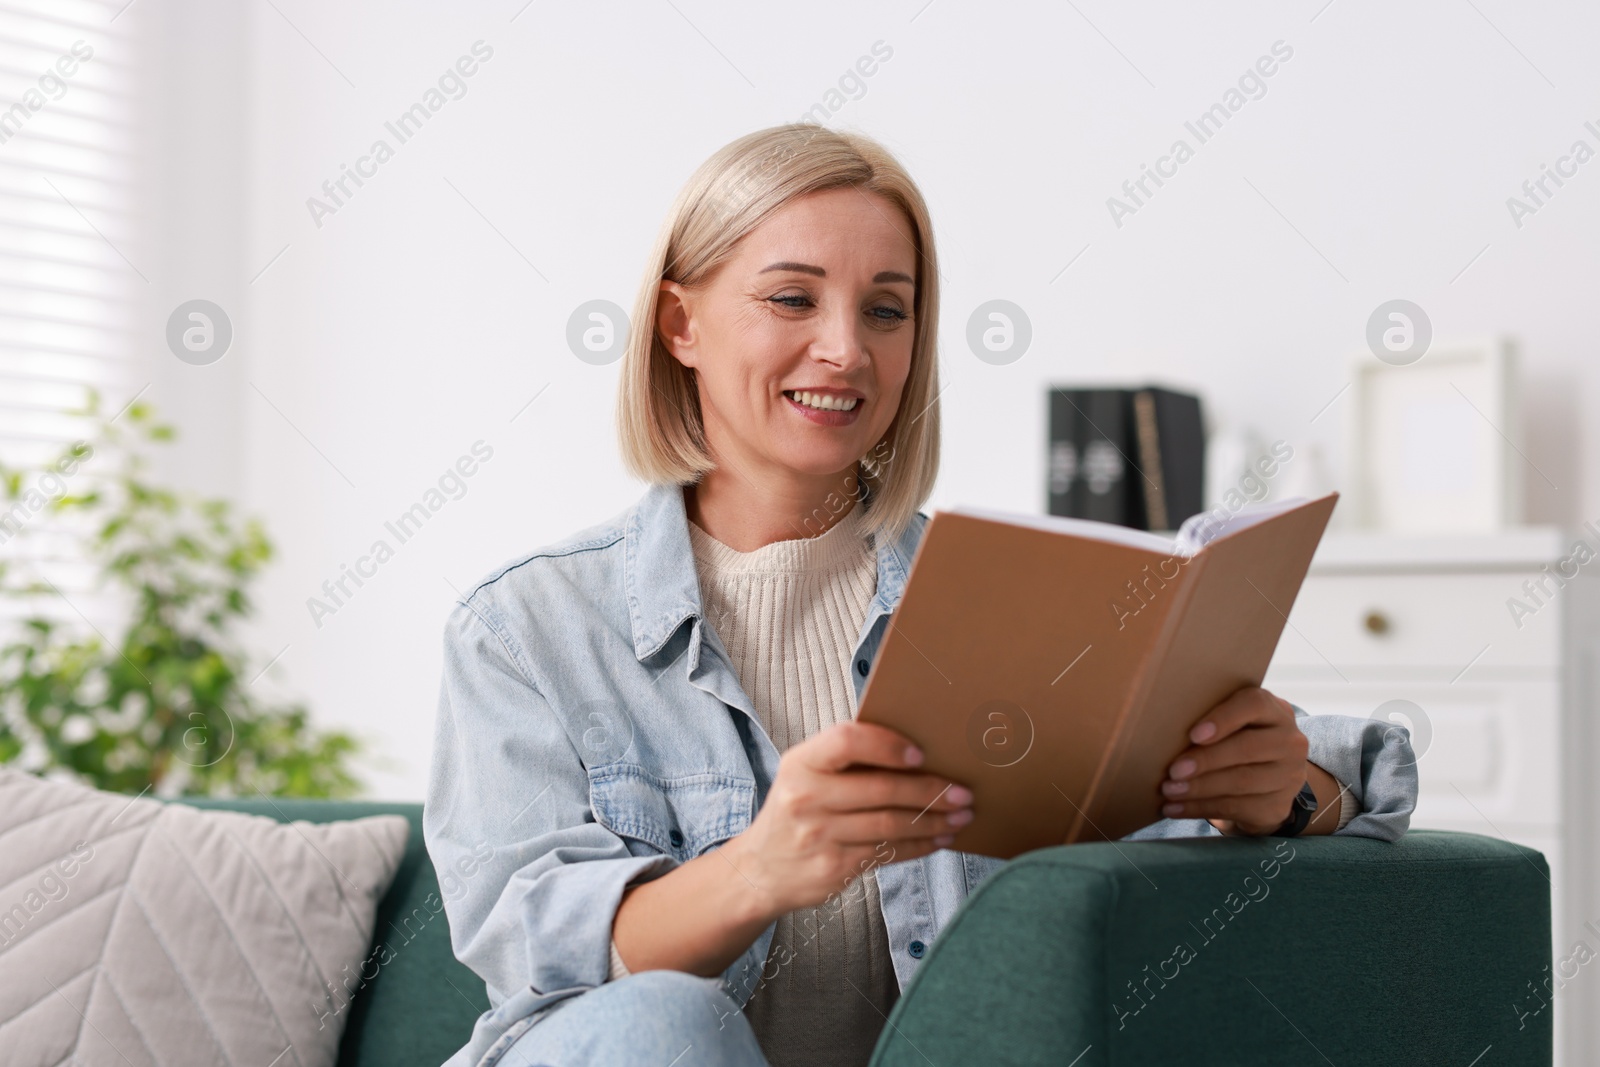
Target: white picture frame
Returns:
[[1430, 444]]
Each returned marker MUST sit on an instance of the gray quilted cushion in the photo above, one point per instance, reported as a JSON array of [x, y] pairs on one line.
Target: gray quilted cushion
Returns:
[[138, 933]]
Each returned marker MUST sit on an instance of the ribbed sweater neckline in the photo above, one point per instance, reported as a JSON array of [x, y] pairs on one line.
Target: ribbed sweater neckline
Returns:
[[835, 550]]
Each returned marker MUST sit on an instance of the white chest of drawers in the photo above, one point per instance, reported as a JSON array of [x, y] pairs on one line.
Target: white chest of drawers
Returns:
[[1500, 698]]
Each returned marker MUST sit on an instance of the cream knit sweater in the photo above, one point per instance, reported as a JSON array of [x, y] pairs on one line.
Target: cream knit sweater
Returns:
[[789, 614]]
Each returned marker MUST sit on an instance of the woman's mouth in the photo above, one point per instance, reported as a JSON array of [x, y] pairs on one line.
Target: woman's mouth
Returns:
[[826, 409]]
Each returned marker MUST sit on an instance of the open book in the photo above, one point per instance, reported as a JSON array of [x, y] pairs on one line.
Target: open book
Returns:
[[1055, 666]]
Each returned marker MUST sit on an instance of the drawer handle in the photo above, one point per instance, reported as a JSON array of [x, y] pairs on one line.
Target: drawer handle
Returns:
[[1377, 623]]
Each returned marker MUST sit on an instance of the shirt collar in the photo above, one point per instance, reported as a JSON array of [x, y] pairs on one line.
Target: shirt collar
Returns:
[[664, 591]]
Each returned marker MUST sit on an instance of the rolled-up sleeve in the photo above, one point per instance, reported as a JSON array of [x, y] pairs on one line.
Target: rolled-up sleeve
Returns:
[[1374, 760], [530, 881]]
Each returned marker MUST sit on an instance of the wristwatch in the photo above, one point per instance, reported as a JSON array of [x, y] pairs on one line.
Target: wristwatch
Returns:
[[1300, 812]]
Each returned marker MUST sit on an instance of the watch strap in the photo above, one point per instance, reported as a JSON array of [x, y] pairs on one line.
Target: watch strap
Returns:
[[1300, 812]]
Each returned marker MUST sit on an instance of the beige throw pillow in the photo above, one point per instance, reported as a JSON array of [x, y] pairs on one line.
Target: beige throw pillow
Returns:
[[135, 933]]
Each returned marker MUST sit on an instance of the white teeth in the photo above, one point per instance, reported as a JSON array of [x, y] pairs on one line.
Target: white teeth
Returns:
[[823, 402]]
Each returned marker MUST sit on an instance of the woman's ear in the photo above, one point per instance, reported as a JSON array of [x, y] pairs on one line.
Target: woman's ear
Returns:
[[675, 322]]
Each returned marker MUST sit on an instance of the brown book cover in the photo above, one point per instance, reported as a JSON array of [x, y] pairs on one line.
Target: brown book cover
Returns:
[[1055, 666]]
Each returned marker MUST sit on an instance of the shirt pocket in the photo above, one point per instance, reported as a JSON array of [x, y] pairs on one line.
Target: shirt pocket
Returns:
[[680, 817]]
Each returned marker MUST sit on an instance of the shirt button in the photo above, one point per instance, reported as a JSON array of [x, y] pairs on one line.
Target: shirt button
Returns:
[[862, 667], [676, 837], [917, 949]]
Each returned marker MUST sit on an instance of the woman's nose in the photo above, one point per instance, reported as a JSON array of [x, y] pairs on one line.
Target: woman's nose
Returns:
[[841, 343]]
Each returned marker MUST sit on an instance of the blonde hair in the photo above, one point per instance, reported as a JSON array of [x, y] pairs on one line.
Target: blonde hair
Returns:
[[658, 405]]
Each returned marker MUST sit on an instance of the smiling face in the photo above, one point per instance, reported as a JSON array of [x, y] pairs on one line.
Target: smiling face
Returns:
[[801, 342]]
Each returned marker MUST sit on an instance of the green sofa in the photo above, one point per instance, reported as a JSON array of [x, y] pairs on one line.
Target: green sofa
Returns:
[[1263, 952]]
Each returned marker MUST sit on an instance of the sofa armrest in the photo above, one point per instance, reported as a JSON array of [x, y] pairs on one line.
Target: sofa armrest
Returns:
[[1234, 951]]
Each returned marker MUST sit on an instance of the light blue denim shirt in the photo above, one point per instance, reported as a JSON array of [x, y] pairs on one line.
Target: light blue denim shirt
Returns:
[[592, 733]]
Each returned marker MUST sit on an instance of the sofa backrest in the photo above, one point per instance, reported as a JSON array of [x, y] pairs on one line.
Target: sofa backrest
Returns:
[[416, 1003]]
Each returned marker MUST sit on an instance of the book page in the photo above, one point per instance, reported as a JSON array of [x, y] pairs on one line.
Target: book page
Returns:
[[1197, 531], [1201, 529], [1089, 528]]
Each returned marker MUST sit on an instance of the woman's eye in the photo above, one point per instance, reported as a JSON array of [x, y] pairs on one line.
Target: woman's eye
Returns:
[[884, 313]]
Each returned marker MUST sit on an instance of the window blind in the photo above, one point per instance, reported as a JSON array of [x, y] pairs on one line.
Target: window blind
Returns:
[[68, 289]]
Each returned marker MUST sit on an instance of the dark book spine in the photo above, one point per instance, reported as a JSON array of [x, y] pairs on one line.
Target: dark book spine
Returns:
[[1103, 457], [1062, 481], [1182, 453]]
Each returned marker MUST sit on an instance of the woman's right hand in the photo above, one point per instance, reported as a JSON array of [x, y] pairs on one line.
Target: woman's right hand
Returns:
[[846, 799]]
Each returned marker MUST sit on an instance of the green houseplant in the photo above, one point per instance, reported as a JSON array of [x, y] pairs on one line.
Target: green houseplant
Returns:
[[165, 701]]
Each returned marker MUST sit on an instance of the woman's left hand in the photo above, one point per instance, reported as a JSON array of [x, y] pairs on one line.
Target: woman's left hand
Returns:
[[1246, 763]]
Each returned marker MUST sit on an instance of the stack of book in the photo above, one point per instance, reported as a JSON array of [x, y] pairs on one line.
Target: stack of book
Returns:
[[1134, 457]]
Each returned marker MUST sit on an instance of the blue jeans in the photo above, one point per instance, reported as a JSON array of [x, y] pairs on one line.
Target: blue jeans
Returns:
[[654, 1018]]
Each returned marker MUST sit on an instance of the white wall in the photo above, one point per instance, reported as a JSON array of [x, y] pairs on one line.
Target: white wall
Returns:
[[192, 170], [406, 327]]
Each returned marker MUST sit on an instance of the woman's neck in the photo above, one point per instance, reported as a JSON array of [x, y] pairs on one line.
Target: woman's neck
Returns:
[[746, 516]]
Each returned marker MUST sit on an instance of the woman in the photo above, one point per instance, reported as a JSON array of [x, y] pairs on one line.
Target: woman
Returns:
[[647, 776]]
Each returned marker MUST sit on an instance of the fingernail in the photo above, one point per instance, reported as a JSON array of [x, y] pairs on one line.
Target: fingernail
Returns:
[[1202, 733], [944, 840], [913, 755], [1170, 810], [1175, 789], [1183, 768], [960, 818], [959, 795]]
